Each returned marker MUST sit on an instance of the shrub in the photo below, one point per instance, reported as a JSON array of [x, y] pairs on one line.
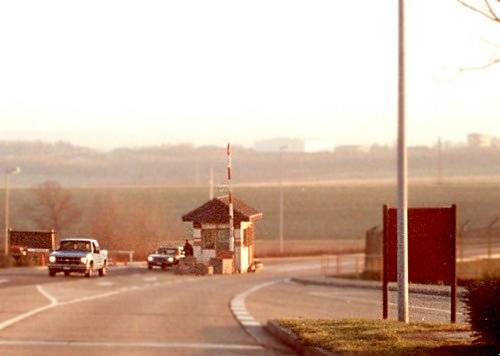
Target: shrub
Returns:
[[483, 309], [26, 261], [6, 261]]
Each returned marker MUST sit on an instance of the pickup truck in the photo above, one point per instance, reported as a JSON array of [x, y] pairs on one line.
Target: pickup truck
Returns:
[[80, 255]]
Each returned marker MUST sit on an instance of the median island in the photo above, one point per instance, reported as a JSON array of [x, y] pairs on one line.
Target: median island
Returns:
[[377, 337]]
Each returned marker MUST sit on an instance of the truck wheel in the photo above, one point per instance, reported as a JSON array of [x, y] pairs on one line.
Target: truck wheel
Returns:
[[52, 273], [149, 266], [90, 272], [103, 271], [66, 273]]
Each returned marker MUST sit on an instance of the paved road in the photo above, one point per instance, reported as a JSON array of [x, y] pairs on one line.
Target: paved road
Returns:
[[134, 311]]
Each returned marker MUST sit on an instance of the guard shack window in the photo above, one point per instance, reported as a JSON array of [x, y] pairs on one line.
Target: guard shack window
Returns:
[[208, 238]]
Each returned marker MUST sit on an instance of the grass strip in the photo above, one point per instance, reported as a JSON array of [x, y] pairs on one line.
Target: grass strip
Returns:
[[384, 337]]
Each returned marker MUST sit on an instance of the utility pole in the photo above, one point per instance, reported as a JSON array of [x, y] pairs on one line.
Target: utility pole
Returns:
[[439, 161], [230, 198], [8, 173], [461, 238], [490, 226], [402, 216], [282, 246]]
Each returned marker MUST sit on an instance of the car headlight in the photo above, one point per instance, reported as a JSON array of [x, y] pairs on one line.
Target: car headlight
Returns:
[[170, 259], [83, 260], [52, 259], [150, 259]]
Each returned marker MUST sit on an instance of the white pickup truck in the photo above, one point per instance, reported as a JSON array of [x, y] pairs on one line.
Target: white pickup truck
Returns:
[[80, 255]]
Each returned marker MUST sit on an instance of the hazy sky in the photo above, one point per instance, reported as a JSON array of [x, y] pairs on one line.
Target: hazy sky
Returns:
[[108, 73]]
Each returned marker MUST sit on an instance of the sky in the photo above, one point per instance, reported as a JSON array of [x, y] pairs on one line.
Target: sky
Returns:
[[131, 73]]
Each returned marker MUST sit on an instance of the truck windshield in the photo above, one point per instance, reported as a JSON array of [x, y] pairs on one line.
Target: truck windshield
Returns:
[[74, 246]]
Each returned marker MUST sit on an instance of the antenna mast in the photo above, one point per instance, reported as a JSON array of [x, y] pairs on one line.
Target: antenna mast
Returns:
[[231, 211]]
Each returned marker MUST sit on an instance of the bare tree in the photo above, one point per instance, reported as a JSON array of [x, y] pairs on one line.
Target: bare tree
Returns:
[[54, 207], [104, 221], [491, 10], [126, 224]]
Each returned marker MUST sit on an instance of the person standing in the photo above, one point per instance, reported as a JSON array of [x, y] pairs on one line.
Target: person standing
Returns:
[[188, 249]]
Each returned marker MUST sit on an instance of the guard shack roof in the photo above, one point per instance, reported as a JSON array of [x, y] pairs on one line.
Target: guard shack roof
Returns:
[[216, 211]]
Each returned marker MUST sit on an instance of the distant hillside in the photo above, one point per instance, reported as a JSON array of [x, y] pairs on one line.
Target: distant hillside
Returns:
[[189, 166]]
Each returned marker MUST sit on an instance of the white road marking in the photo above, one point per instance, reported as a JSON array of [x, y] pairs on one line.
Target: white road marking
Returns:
[[239, 312], [150, 279], [156, 345], [20, 317], [46, 294], [4, 280], [246, 320], [55, 303], [371, 301]]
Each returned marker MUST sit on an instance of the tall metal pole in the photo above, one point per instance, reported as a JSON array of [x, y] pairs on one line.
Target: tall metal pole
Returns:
[[231, 211], [211, 183], [6, 250], [282, 247], [440, 161], [461, 239], [402, 229]]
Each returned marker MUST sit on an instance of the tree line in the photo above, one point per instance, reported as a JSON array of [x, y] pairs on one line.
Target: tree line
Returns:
[[190, 166]]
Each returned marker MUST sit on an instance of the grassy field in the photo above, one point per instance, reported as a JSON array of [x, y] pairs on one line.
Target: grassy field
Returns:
[[329, 213], [378, 337], [478, 269]]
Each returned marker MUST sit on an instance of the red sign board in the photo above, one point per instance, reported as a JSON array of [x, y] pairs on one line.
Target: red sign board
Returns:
[[43, 240], [431, 244]]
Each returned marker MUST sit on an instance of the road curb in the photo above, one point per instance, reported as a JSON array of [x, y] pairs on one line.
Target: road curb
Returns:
[[341, 282], [287, 337]]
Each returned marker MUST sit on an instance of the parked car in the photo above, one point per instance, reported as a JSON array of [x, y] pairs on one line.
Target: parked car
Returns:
[[78, 255], [165, 257]]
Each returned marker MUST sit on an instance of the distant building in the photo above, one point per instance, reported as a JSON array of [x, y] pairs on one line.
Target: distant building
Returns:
[[292, 145], [274, 145], [351, 149], [317, 146], [476, 140]]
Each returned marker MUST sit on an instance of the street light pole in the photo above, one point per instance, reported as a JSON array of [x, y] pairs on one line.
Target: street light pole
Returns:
[[282, 247], [402, 229], [8, 173]]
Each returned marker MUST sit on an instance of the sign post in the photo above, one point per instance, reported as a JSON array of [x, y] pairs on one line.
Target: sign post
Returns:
[[402, 179]]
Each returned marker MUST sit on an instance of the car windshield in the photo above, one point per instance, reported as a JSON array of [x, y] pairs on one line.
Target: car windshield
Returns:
[[74, 246], [167, 251]]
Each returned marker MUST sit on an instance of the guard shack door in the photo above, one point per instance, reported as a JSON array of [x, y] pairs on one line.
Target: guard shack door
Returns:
[[249, 241]]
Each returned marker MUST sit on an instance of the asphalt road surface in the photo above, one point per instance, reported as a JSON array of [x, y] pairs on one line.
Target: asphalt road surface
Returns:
[[133, 311]]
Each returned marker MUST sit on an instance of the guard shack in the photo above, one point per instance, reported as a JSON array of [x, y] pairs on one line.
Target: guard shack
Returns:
[[211, 231]]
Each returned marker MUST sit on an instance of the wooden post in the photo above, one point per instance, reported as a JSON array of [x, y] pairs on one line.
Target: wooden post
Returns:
[[385, 284]]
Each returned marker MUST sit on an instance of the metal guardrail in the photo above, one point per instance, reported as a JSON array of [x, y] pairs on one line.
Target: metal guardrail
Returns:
[[336, 264], [120, 256]]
